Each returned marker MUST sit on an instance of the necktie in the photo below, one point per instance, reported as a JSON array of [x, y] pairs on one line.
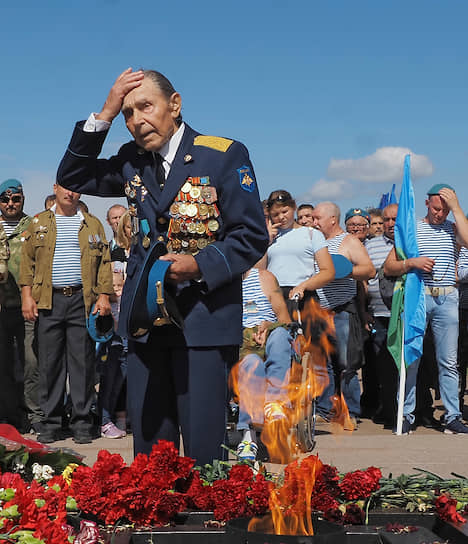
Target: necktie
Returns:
[[160, 172]]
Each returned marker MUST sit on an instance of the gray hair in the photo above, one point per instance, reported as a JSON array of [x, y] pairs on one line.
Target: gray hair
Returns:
[[164, 85]]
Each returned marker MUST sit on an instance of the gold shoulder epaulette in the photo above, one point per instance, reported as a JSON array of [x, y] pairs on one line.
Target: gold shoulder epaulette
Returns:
[[215, 142]]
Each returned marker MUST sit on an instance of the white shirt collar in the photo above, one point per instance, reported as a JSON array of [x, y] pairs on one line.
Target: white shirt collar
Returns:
[[169, 149]]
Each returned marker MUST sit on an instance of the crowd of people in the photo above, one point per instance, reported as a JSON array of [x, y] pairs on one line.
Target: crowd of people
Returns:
[[228, 275], [302, 240]]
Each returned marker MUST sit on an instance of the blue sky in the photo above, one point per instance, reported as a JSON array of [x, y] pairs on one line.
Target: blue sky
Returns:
[[327, 96]]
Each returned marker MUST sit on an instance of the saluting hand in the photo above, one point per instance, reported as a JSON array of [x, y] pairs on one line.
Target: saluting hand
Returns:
[[183, 267], [126, 82], [450, 198]]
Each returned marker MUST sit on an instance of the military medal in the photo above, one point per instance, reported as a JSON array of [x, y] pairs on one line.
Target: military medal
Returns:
[[191, 227], [195, 193], [203, 209], [183, 227], [200, 228], [213, 225], [176, 245], [192, 210], [183, 208], [136, 180], [186, 187], [202, 243], [175, 225], [174, 209], [184, 243], [146, 242], [192, 245], [206, 194]]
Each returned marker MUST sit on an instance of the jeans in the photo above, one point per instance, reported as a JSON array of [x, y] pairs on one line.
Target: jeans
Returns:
[[262, 382], [349, 380], [442, 314], [324, 402], [113, 378]]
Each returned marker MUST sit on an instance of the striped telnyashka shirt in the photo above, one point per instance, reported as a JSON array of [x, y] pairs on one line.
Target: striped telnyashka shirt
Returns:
[[255, 305], [66, 266], [439, 243], [338, 291]]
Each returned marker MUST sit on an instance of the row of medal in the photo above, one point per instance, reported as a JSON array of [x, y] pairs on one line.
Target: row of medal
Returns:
[[194, 215]]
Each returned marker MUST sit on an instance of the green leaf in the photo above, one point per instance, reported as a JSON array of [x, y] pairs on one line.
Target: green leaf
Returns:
[[7, 494], [71, 505], [10, 512]]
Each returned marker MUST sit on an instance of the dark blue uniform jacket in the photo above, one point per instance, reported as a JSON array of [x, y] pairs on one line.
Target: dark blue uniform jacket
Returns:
[[211, 309]]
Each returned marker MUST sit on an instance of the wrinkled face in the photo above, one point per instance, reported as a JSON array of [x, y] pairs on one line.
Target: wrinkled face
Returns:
[[150, 116], [389, 218], [11, 205], [113, 217], [324, 220], [305, 217], [376, 225], [66, 198], [282, 215], [437, 210], [358, 226]]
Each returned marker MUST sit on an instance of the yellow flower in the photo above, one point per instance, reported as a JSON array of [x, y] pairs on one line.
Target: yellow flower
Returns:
[[67, 473]]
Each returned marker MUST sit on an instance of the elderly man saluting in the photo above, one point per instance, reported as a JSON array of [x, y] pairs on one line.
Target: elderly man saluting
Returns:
[[198, 195]]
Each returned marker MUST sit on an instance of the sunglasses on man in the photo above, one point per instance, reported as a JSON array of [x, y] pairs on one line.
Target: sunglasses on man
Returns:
[[16, 199]]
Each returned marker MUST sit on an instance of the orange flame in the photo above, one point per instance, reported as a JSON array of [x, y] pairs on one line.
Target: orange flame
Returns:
[[306, 380], [290, 504]]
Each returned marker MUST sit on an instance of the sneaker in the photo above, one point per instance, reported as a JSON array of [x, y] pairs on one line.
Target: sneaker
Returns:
[[321, 420], [109, 430], [351, 424], [405, 429], [274, 411], [247, 451], [456, 427]]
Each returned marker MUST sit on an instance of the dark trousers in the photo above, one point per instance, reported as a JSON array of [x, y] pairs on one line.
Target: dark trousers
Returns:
[[62, 331], [31, 373], [173, 390], [12, 409], [387, 372], [462, 353]]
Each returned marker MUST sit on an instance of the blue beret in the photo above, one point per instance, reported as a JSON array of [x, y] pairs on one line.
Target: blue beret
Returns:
[[352, 212], [434, 190], [12, 185]]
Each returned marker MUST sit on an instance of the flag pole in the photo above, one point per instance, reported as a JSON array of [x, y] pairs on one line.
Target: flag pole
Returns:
[[401, 390]]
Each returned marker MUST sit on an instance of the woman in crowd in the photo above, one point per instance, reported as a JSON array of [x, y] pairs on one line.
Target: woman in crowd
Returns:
[[297, 256]]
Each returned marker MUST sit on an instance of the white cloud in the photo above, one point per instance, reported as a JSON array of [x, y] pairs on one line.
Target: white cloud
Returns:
[[324, 189], [385, 165]]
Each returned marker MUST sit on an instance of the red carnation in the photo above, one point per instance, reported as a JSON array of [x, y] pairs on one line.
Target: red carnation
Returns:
[[360, 484], [447, 509]]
